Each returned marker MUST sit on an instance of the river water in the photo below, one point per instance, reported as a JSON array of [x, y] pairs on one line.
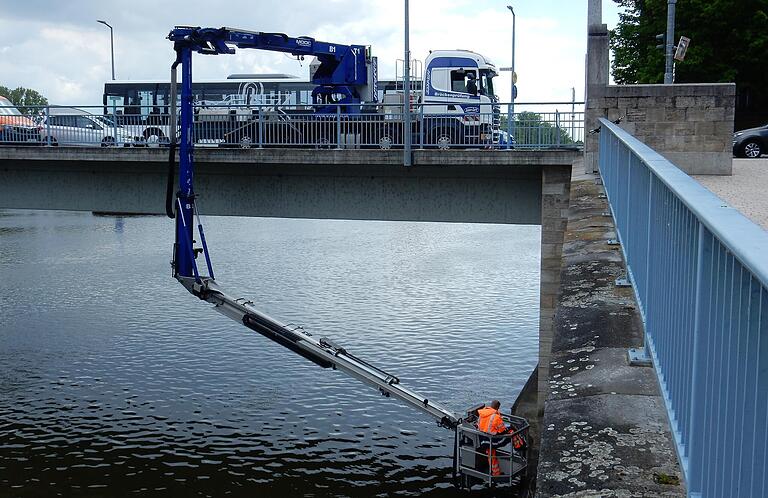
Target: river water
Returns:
[[115, 381]]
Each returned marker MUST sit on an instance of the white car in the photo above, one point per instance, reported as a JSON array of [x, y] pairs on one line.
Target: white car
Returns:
[[87, 130]]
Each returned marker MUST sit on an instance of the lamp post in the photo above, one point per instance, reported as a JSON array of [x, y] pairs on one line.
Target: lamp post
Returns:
[[111, 45], [407, 94], [511, 111]]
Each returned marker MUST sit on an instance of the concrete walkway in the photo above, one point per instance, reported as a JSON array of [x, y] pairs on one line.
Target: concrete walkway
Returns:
[[746, 189], [605, 430]]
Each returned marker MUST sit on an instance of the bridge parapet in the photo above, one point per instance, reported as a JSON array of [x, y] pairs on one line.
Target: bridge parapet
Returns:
[[700, 275]]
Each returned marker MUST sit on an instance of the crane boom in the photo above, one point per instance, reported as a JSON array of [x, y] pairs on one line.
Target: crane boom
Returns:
[[322, 351], [342, 70]]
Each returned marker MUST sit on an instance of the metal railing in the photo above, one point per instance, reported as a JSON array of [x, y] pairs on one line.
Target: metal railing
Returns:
[[373, 126], [699, 269]]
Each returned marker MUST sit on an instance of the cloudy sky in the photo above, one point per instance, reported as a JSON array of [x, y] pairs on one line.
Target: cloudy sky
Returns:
[[58, 48]]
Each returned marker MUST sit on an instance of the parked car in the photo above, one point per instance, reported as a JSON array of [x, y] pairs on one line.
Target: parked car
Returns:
[[751, 143], [15, 128], [70, 126]]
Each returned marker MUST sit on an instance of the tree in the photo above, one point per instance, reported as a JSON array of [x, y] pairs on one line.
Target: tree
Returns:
[[729, 43], [24, 99], [532, 129]]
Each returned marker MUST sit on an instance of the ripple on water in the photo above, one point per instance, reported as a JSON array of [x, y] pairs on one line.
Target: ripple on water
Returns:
[[115, 380]]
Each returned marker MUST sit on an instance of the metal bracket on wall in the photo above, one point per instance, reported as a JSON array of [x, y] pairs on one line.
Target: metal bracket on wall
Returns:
[[598, 181], [614, 242], [623, 282], [607, 214], [602, 196], [638, 357]]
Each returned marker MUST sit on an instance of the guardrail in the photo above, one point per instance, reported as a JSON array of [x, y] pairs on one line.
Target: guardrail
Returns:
[[699, 269], [440, 126]]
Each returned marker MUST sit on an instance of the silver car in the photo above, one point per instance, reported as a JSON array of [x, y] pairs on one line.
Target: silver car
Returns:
[[85, 130]]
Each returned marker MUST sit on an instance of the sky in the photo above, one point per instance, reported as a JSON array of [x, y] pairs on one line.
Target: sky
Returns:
[[58, 48]]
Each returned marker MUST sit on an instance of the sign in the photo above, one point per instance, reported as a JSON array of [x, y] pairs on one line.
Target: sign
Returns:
[[682, 46]]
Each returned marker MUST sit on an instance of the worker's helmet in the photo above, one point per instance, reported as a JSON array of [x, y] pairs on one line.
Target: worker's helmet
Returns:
[[471, 75]]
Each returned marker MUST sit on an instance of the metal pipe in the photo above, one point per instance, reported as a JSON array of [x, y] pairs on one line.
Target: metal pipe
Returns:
[[407, 95], [670, 45], [513, 77], [111, 45]]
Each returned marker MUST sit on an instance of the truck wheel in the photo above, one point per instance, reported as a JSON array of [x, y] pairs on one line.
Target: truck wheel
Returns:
[[323, 143], [108, 142], [444, 139], [751, 149], [386, 141], [246, 142], [54, 143]]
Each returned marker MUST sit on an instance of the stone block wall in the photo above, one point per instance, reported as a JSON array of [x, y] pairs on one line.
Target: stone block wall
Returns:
[[690, 124]]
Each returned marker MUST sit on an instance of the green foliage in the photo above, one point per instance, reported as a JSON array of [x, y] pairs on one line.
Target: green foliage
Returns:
[[729, 42], [531, 129], [24, 98]]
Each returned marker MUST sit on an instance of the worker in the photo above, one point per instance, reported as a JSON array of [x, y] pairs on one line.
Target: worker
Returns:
[[490, 421], [471, 83]]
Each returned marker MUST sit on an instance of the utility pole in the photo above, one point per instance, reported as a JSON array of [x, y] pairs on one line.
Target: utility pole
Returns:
[[513, 78], [669, 51], [407, 96], [111, 46]]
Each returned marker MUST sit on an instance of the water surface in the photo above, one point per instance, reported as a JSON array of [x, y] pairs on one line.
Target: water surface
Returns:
[[115, 381]]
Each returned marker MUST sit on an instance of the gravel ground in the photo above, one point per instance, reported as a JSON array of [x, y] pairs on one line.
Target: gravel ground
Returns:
[[746, 189]]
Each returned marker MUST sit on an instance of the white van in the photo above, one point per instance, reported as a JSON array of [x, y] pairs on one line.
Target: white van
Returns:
[[72, 126]]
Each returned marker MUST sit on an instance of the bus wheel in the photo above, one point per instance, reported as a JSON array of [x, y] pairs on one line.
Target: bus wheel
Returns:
[[153, 136]]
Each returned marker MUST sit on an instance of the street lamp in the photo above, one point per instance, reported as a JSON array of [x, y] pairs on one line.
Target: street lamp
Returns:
[[111, 45], [511, 113]]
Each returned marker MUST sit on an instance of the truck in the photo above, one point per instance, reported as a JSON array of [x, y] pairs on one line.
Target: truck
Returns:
[[454, 104]]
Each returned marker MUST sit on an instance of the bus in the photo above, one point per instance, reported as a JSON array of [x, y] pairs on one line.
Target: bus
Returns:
[[144, 105]]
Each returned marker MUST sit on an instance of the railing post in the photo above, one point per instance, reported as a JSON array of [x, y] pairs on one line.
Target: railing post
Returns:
[[695, 455], [48, 125], [421, 125], [557, 127], [510, 117], [338, 126], [114, 120], [261, 128]]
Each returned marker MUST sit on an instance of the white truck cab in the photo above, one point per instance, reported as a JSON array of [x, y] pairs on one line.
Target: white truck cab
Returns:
[[460, 83]]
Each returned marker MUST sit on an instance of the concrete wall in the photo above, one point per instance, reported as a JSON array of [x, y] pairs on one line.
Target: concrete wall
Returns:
[[689, 124], [555, 195], [465, 186]]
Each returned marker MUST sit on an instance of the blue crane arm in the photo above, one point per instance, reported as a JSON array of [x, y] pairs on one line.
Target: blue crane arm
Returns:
[[339, 64]]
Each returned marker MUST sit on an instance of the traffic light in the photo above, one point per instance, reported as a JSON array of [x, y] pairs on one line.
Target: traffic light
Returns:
[[662, 40]]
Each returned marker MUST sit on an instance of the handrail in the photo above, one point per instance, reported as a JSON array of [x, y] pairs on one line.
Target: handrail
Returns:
[[699, 271], [745, 239]]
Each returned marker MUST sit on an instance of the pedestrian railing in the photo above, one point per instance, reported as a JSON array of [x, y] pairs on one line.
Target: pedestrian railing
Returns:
[[373, 126], [699, 269]]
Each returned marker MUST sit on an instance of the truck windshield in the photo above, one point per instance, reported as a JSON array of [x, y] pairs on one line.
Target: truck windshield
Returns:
[[486, 82]]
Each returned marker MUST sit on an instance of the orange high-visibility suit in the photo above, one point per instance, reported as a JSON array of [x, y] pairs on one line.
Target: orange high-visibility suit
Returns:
[[490, 422]]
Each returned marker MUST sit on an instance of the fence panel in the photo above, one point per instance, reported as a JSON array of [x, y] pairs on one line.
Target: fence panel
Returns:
[[700, 274]]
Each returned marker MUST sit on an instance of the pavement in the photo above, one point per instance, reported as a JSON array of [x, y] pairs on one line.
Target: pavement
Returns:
[[605, 430], [746, 189]]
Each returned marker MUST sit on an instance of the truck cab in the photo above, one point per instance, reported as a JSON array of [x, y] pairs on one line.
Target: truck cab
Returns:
[[458, 98]]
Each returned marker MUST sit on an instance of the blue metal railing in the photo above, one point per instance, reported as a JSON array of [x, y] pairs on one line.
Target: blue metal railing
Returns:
[[700, 273]]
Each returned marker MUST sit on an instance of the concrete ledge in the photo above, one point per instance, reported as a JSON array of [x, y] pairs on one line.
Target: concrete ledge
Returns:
[[605, 430], [356, 157]]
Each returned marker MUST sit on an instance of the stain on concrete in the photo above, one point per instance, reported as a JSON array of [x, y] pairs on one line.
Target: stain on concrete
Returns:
[[604, 430]]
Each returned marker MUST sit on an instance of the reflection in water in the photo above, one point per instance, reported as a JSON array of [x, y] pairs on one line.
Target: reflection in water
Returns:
[[114, 380]]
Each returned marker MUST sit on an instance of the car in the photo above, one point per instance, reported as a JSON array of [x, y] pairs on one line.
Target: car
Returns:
[[71, 126], [15, 128], [751, 143]]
